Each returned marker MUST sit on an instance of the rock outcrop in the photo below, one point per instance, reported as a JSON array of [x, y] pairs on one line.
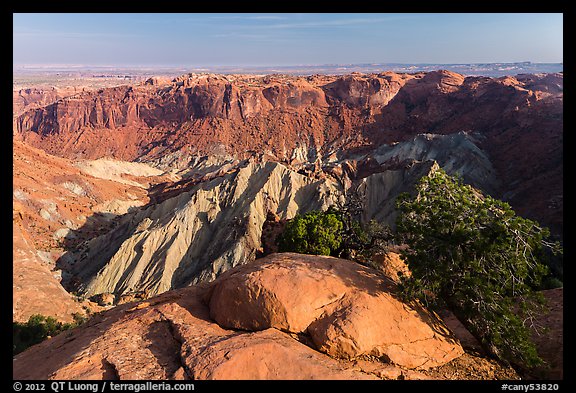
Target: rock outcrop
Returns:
[[347, 309], [218, 163], [519, 121], [174, 335], [458, 154], [57, 206], [193, 229], [199, 233], [374, 135], [392, 265], [208, 227], [28, 98], [324, 111], [36, 288]]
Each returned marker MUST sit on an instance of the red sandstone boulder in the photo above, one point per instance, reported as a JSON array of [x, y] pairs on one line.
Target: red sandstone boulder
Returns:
[[392, 265], [348, 310]]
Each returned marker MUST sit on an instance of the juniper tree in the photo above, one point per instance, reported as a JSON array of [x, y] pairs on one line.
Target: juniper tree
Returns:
[[472, 253]]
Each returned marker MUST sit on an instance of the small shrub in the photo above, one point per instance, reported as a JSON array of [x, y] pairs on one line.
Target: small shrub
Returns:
[[552, 283], [37, 329], [316, 232]]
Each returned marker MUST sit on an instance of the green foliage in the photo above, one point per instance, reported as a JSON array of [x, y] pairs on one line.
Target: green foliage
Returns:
[[378, 238], [551, 283], [316, 232], [361, 242], [37, 329], [472, 253], [336, 232]]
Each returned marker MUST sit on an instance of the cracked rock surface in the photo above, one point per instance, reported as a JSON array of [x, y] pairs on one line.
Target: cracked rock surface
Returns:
[[286, 316]]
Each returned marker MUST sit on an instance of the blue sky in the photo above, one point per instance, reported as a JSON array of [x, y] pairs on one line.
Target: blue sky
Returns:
[[285, 39]]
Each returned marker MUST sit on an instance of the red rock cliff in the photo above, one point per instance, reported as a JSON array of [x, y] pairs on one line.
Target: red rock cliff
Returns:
[[521, 117]]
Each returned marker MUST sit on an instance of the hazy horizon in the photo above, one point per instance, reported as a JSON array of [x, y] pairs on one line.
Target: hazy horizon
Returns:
[[152, 66], [28, 73]]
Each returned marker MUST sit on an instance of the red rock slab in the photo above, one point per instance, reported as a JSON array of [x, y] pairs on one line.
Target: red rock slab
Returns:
[[171, 337]]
